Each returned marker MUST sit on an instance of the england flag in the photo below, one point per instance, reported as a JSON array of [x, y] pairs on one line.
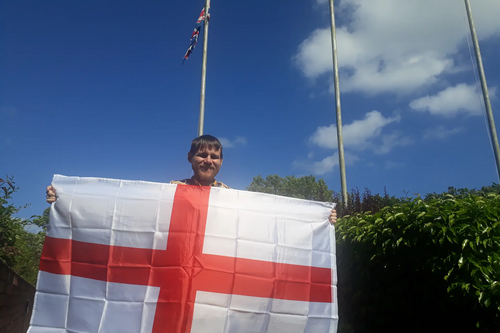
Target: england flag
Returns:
[[133, 256]]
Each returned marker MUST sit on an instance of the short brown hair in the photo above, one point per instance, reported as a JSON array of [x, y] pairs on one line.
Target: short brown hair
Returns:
[[205, 141]]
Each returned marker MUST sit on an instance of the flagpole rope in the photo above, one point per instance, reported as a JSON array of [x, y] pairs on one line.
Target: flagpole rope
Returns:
[[478, 84], [204, 69]]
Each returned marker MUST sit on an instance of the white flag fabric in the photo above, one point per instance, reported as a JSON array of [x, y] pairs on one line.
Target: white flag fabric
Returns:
[[140, 257]]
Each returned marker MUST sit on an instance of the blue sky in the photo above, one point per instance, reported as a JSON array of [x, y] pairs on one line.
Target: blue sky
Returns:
[[96, 88]]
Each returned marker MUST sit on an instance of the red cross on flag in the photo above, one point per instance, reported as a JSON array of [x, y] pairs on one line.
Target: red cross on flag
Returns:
[[141, 257]]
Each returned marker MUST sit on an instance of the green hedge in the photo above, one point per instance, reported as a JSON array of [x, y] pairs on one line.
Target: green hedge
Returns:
[[421, 266]]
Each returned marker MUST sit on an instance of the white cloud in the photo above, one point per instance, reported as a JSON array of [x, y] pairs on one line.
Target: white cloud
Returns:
[[324, 166], [395, 46], [393, 165], [390, 141], [358, 135], [238, 141], [441, 132], [461, 98]]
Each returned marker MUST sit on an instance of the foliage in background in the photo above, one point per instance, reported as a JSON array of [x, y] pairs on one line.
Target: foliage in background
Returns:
[[42, 221], [27, 261], [309, 188], [19, 249], [460, 193], [10, 226], [358, 202], [289, 186]]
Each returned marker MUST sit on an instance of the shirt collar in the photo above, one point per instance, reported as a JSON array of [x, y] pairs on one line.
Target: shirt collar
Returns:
[[195, 182]]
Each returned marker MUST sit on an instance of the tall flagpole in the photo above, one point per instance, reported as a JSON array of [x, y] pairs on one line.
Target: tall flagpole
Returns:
[[340, 139], [204, 70], [484, 87]]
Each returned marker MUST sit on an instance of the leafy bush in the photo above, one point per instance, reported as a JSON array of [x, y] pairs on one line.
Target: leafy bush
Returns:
[[19, 249], [465, 192], [10, 226], [27, 261], [421, 266]]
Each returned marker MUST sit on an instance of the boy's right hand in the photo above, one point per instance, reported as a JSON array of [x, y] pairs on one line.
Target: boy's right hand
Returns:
[[51, 194]]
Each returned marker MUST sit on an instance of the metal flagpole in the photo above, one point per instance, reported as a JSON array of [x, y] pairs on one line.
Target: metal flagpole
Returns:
[[204, 70], [340, 140], [484, 87]]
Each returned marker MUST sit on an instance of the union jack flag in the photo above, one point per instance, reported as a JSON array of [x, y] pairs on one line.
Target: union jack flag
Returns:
[[196, 32]]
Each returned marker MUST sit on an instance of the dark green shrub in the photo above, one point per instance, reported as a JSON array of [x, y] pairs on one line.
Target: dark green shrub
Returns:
[[358, 202], [19, 249], [10, 226], [421, 266]]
